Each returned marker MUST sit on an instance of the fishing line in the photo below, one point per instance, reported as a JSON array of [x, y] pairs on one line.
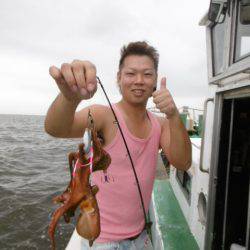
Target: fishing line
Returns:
[[147, 223]]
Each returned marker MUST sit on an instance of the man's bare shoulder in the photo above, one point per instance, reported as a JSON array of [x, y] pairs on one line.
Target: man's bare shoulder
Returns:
[[100, 114], [100, 107]]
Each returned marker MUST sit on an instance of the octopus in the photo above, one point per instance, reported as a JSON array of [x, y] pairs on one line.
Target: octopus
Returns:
[[79, 192]]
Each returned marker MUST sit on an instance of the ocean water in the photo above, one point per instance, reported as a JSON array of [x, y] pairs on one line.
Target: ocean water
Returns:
[[33, 169]]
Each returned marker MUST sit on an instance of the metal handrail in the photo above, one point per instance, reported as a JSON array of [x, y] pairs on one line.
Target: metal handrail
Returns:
[[203, 134], [201, 110]]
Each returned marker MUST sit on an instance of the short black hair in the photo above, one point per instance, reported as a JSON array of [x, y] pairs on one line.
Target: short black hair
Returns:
[[140, 48]]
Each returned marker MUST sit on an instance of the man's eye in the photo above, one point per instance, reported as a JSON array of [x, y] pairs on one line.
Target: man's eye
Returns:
[[148, 74], [129, 73]]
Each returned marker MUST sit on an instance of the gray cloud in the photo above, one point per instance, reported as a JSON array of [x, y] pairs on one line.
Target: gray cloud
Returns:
[[35, 35]]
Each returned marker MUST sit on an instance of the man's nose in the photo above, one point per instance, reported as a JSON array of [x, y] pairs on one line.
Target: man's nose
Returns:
[[139, 78]]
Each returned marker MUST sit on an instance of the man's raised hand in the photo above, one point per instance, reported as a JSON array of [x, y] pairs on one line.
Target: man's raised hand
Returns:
[[164, 101], [76, 80]]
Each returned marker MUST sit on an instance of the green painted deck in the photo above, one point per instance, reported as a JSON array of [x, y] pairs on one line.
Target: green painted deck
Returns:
[[173, 226]]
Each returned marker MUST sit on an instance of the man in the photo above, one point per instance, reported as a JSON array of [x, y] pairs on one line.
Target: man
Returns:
[[122, 220]]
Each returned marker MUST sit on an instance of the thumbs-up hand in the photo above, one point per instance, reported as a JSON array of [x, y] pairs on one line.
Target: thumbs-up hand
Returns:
[[164, 101]]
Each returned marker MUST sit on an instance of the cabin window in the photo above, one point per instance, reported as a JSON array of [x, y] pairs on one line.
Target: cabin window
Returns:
[[184, 180], [218, 44], [242, 39]]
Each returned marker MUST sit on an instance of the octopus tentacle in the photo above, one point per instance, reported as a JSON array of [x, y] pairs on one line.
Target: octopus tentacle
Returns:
[[55, 218], [80, 193]]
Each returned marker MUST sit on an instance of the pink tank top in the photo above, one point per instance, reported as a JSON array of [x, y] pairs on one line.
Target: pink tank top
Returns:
[[118, 197]]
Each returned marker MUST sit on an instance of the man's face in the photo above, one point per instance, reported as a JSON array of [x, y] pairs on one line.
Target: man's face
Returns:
[[137, 78]]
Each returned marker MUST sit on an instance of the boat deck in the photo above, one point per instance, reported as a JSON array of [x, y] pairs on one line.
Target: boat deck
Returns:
[[170, 229]]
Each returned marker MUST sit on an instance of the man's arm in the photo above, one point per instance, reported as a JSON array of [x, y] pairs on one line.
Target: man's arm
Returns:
[[174, 140], [76, 82], [62, 121], [60, 117]]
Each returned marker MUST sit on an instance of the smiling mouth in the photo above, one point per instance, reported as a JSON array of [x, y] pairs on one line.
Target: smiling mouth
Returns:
[[138, 91]]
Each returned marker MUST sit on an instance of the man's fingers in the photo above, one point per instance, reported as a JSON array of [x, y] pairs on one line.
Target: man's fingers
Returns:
[[78, 71], [68, 75], [160, 97], [56, 74], [163, 83], [90, 76], [59, 79], [163, 104], [76, 79]]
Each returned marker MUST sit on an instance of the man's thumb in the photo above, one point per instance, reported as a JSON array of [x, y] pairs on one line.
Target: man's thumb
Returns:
[[163, 83]]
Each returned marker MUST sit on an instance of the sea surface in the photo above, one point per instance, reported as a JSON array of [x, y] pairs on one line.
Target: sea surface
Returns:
[[33, 169]]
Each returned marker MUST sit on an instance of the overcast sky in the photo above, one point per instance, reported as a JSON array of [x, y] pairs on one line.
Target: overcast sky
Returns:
[[37, 34]]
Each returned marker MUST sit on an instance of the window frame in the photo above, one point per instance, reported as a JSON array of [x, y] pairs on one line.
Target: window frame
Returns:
[[230, 66], [235, 35]]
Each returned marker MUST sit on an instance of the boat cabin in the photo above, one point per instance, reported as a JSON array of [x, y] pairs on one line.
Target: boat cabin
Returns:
[[213, 195], [228, 109]]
